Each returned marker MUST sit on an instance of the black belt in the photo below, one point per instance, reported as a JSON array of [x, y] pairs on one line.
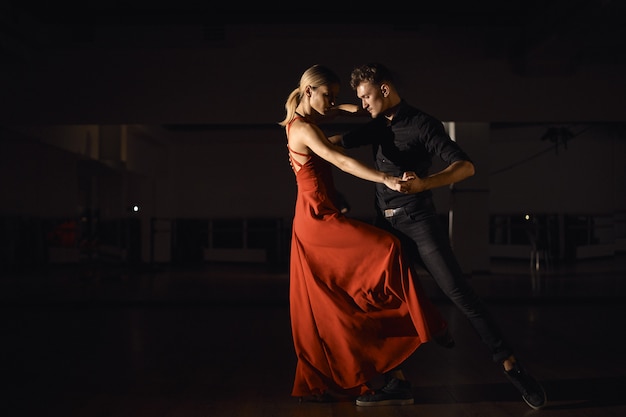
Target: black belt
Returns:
[[393, 212]]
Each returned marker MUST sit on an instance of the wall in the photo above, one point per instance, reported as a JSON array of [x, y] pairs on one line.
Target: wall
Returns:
[[195, 113], [240, 172], [462, 72], [581, 176]]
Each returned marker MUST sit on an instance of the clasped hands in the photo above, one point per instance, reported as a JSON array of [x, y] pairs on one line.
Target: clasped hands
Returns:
[[407, 184]]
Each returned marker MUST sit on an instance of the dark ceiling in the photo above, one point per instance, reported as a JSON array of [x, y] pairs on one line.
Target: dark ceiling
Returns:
[[576, 30], [151, 62]]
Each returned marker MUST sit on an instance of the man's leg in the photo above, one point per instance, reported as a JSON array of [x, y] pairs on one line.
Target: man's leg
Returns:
[[426, 241]]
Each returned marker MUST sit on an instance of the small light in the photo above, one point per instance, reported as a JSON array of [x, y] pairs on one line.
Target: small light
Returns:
[[527, 216], [135, 208]]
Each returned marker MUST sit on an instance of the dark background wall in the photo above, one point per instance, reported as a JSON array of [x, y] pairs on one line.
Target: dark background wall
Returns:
[[175, 107], [556, 61]]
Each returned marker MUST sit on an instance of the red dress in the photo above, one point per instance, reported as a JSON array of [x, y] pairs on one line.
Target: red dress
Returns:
[[356, 308]]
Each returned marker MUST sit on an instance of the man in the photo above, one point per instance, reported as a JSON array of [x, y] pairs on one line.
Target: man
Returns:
[[405, 139]]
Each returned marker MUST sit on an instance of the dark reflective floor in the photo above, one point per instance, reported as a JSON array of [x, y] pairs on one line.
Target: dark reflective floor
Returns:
[[215, 340]]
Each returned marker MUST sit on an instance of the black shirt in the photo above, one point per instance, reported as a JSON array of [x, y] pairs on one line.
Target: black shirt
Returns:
[[407, 144]]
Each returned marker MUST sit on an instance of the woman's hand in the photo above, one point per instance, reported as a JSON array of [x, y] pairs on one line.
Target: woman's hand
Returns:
[[404, 184], [394, 183]]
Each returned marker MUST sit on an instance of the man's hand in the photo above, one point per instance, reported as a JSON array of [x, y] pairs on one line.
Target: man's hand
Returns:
[[411, 183]]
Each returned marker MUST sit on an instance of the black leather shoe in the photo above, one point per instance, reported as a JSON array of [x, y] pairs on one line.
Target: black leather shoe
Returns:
[[395, 392], [532, 392]]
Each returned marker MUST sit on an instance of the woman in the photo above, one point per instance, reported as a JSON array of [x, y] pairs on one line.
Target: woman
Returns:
[[357, 310]]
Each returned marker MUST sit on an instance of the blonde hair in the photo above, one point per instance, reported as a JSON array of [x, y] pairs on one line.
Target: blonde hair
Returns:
[[314, 76]]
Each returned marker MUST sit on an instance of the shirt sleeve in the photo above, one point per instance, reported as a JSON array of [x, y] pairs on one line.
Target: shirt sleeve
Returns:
[[438, 142]]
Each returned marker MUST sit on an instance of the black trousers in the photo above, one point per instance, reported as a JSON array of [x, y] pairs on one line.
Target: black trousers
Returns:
[[425, 242]]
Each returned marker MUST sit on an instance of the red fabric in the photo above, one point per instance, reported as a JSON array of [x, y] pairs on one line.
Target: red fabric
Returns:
[[356, 309]]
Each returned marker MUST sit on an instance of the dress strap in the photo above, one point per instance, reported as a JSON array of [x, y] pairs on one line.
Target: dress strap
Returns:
[[296, 165], [297, 153], [293, 120]]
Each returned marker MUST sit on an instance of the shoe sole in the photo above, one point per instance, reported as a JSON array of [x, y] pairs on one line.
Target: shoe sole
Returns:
[[537, 407], [406, 401]]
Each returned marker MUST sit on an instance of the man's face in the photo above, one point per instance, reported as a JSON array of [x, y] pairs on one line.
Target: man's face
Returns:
[[372, 98]]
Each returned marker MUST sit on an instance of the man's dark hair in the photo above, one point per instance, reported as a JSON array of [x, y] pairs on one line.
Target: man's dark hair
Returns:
[[374, 73]]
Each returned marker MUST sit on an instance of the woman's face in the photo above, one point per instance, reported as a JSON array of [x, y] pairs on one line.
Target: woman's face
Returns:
[[323, 97]]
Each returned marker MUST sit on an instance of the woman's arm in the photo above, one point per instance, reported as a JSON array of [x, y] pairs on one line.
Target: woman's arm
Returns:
[[313, 138]]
